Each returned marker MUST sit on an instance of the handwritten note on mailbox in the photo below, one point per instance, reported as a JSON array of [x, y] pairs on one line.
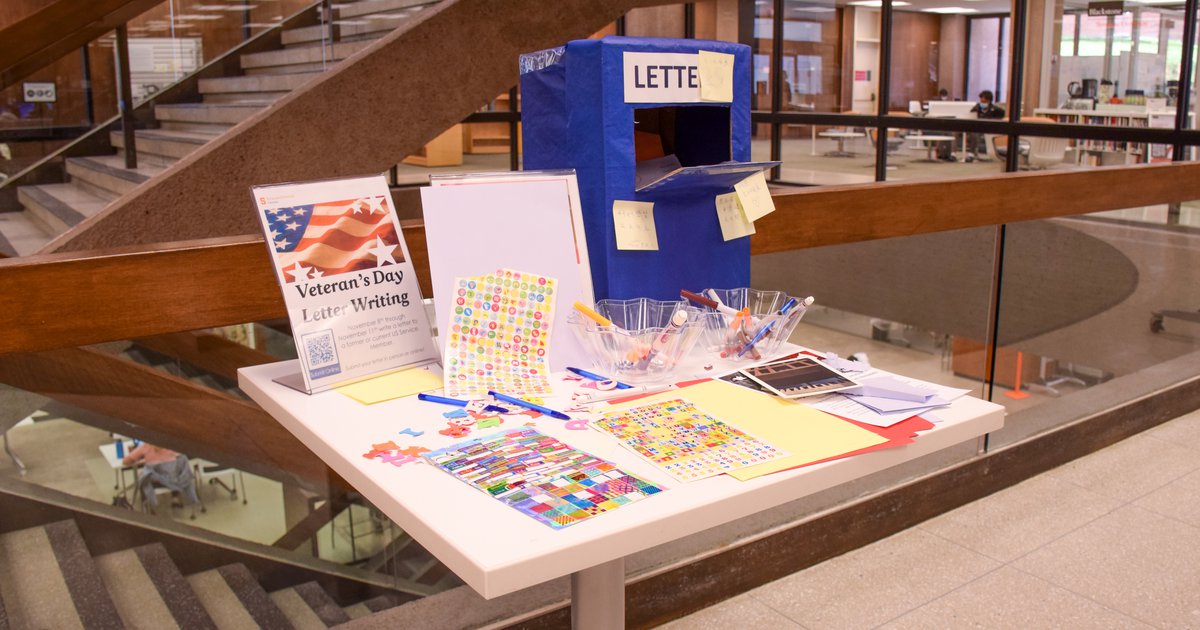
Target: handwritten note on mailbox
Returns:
[[634, 225]]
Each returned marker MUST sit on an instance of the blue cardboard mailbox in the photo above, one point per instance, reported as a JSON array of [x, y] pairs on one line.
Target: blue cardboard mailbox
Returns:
[[602, 107]]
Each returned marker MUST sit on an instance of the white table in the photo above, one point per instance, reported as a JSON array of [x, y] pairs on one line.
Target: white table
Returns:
[[496, 549], [109, 452], [841, 137], [929, 142]]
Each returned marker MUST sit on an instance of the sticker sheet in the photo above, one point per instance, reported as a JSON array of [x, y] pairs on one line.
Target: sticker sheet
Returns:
[[498, 336], [541, 476], [684, 441]]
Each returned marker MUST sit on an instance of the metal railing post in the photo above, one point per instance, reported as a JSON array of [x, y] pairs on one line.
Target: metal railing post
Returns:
[[125, 96]]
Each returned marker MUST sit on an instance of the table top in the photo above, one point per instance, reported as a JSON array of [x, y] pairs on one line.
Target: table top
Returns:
[[496, 549], [108, 451], [842, 134], [931, 138]]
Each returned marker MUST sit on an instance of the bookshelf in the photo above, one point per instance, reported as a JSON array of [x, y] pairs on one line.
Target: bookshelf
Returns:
[[1107, 152]]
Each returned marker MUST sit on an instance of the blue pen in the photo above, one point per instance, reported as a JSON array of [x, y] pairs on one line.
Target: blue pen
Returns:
[[528, 405], [765, 329], [456, 402], [596, 377]]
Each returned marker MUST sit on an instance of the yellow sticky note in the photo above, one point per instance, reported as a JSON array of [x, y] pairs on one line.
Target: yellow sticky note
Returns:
[[732, 217], [634, 225], [716, 77], [394, 385], [809, 435], [755, 196]]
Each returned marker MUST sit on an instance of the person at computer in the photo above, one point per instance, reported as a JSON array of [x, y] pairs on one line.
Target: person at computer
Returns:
[[163, 467], [985, 108]]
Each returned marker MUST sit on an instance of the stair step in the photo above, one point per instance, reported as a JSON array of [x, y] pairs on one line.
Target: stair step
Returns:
[[21, 235], [60, 207], [221, 603], [373, 605], [205, 113], [368, 7], [134, 592], [48, 580], [358, 28], [92, 601], [274, 59], [254, 86], [308, 606], [163, 143], [235, 599], [107, 173], [322, 604], [174, 589]]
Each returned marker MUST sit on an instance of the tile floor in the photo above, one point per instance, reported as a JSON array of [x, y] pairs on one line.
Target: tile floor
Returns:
[[1111, 540]]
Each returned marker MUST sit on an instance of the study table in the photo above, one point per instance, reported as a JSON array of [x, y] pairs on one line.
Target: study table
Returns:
[[929, 142], [498, 550], [841, 137]]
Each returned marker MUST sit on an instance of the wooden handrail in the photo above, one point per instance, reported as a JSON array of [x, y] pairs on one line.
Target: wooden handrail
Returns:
[[72, 299], [42, 38]]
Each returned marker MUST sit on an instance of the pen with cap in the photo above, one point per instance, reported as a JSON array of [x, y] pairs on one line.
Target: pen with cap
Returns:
[[456, 402], [595, 377], [528, 405]]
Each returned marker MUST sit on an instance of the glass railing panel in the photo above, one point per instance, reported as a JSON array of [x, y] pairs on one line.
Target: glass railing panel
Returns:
[[1096, 309], [73, 95], [159, 390], [916, 306]]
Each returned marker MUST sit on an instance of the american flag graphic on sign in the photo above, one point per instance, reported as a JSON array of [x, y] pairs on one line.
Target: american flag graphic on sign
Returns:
[[326, 239]]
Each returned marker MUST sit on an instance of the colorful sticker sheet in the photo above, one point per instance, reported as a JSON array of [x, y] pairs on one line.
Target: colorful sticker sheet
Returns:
[[541, 477], [684, 441], [498, 336]]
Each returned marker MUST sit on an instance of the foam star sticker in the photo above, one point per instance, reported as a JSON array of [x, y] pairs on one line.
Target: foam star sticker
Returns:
[[299, 272], [382, 252]]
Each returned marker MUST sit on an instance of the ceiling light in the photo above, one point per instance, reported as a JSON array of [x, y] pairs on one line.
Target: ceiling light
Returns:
[[813, 9]]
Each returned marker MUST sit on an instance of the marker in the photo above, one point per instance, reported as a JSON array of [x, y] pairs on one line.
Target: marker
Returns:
[[456, 402], [791, 303], [677, 321], [713, 304], [592, 315], [586, 399], [595, 377], [528, 405]]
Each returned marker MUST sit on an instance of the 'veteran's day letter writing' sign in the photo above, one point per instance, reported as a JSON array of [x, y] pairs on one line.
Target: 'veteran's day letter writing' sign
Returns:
[[350, 290], [662, 77]]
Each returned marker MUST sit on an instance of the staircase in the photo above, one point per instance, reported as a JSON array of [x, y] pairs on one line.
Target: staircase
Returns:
[[95, 182], [49, 579]]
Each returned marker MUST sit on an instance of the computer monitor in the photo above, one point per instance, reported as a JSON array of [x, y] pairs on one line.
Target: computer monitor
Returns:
[[951, 109]]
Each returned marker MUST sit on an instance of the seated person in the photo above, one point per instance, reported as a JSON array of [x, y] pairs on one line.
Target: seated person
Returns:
[[985, 108], [162, 467]]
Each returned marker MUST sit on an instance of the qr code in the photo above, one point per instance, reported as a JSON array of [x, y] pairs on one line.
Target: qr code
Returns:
[[322, 354]]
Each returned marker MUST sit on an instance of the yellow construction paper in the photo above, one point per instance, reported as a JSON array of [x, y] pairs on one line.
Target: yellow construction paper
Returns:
[[809, 435], [394, 385], [716, 77], [755, 197]]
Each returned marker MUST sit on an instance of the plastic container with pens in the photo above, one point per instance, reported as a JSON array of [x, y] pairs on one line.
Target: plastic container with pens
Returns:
[[639, 340], [747, 324]]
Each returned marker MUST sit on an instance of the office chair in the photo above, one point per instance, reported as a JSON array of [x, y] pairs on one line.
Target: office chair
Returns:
[[235, 477]]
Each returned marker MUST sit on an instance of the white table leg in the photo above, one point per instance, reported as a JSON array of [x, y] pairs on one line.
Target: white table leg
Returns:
[[598, 597]]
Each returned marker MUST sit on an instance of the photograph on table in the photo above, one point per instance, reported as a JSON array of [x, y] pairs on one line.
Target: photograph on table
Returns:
[[541, 477], [684, 441], [796, 378]]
